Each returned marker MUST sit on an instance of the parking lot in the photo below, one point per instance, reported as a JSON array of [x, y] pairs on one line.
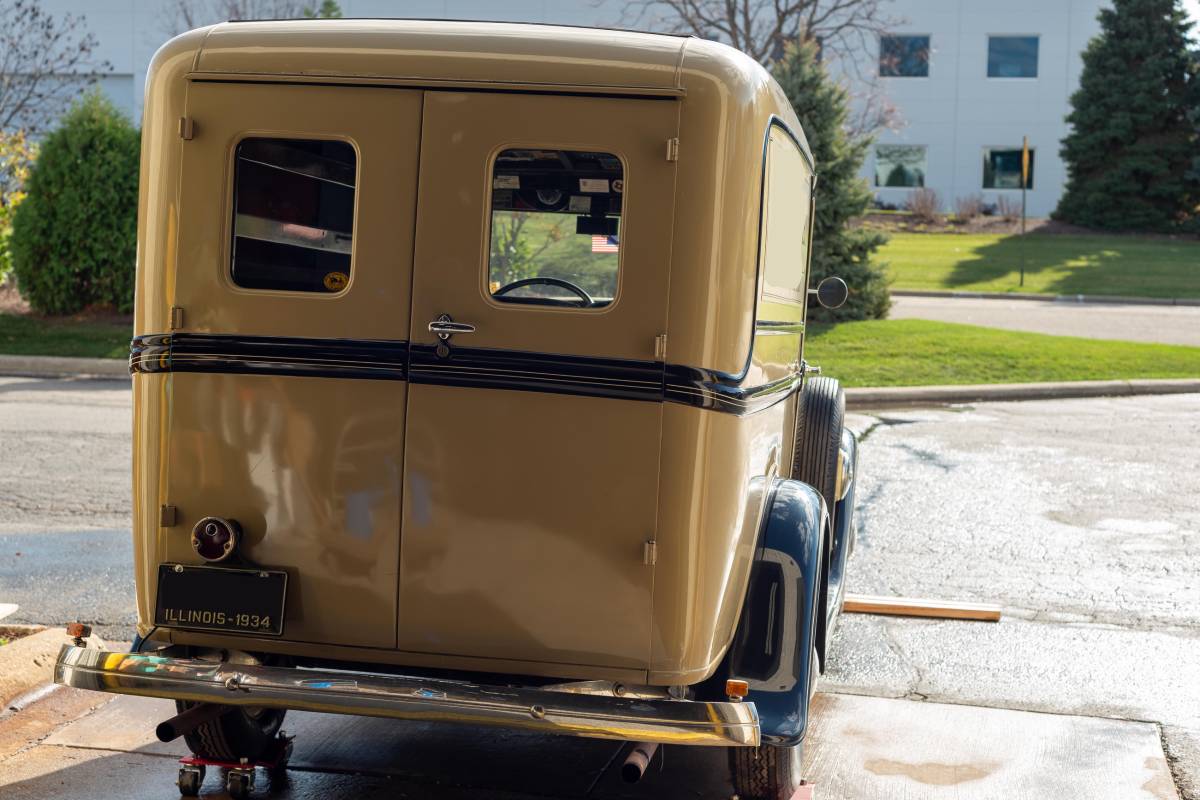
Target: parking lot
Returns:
[[1079, 517]]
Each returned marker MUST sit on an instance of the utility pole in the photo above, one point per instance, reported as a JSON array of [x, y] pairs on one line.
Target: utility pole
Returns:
[[1024, 186]]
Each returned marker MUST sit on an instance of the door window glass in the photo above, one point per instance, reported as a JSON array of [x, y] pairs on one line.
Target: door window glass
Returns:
[[787, 201], [555, 227], [293, 222]]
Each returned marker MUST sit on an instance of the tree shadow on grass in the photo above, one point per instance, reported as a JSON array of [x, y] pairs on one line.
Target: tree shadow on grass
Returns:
[[1068, 264]]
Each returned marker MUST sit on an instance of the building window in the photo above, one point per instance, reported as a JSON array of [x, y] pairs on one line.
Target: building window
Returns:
[[555, 238], [900, 165], [904, 56], [293, 223], [1002, 168], [1012, 56]]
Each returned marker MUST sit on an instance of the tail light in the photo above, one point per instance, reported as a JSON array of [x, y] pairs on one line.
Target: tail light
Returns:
[[215, 538]]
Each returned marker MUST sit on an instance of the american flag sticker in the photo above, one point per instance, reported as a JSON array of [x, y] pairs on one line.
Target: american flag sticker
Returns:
[[604, 244]]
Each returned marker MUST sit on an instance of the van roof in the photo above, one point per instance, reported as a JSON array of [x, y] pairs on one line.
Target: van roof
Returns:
[[456, 51]]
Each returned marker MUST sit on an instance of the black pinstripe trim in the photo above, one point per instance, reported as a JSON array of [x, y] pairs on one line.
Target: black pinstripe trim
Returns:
[[624, 379]]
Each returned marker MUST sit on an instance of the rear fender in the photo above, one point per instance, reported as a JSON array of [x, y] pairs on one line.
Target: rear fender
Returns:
[[773, 647]]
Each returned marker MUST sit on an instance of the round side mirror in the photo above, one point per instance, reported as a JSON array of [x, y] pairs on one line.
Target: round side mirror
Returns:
[[832, 292]]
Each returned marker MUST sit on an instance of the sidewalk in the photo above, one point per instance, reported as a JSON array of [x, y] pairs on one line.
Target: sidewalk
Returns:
[[1162, 324]]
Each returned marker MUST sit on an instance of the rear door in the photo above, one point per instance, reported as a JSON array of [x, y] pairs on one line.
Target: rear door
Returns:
[[531, 464], [292, 284]]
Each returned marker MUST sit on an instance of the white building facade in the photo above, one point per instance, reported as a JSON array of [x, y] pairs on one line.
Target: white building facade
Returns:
[[969, 80]]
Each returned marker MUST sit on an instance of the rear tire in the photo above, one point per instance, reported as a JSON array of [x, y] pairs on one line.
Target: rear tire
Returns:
[[820, 417], [237, 734], [766, 772]]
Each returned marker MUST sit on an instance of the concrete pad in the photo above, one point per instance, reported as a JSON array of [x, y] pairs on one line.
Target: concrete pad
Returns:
[[871, 747], [8, 609], [124, 724], [22, 729]]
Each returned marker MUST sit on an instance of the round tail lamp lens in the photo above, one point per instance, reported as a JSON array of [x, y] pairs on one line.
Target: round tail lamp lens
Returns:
[[215, 539]]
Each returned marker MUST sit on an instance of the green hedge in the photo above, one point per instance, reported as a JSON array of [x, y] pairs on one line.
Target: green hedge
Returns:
[[74, 238]]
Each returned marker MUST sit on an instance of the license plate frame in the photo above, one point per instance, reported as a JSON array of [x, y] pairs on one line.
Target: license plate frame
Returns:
[[222, 599]]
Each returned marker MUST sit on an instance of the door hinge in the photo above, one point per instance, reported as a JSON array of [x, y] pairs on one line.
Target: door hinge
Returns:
[[168, 516], [650, 553], [660, 346], [187, 128], [176, 320], [673, 149]]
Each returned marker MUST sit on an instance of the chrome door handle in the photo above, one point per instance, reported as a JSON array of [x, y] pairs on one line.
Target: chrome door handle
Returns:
[[445, 327]]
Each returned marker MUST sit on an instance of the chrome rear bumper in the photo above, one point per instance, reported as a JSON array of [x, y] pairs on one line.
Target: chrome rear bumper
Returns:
[[426, 699]]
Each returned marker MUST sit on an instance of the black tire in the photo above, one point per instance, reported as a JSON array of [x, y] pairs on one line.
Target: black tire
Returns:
[[820, 416], [238, 734], [766, 772]]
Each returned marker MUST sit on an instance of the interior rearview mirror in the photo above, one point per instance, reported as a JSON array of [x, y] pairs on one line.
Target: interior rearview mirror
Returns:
[[831, 292]]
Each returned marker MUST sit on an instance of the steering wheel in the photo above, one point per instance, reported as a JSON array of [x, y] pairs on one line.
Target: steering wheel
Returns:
[[548, 281]]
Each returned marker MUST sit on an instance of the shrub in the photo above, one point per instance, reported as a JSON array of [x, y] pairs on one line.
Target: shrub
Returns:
[[74, 236], [924, 204], [17, 153], [968, 207], [1008, 207], [841, 195]]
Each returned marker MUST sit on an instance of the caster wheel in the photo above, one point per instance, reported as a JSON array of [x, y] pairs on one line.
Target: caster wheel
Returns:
[[239, 784], [190, 779]]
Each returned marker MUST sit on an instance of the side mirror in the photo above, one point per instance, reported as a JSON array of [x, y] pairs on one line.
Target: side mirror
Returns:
[[831, 292]]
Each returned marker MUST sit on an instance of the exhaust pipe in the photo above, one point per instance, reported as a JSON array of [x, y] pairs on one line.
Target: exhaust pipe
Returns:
[[187, 721], [637, 761]]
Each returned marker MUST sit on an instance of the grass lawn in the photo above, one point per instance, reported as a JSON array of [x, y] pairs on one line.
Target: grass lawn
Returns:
[[30, 336], [914, 352], [1055, 264]]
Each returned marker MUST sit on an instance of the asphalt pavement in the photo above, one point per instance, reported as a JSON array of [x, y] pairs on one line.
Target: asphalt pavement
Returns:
[[1134, 323], [1080, 518]]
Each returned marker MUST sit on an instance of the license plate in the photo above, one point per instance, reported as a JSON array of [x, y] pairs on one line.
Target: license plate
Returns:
[[221, 599]]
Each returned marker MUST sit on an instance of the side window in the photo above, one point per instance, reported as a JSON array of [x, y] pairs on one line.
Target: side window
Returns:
[[787, 205], [555, 228], [293, 222]]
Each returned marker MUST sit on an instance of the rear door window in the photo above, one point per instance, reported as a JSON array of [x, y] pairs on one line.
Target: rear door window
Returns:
[[555, 227], [293, 225]]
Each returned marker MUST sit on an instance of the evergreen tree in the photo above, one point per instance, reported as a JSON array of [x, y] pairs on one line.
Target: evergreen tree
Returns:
[[1132, 144], [838, 249]]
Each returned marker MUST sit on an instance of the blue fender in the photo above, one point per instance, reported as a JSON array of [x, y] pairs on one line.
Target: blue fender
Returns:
[[772, 649]]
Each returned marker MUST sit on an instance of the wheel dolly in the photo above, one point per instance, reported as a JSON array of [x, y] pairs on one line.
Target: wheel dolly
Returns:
[[239, 776]]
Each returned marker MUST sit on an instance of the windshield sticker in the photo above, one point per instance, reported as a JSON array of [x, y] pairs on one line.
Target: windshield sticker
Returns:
[[593, 185], [506, 182]]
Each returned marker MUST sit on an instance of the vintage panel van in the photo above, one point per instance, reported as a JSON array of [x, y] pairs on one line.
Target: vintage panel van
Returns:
[[468, 384]]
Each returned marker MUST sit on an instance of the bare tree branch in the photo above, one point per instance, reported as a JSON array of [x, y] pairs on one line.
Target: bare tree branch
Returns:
[[45, 61], [844, 30], [183, 15]]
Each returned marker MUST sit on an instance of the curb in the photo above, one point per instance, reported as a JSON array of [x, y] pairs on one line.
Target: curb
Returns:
[[28, 663], [893, 396], [1052, 298], [59, 367]]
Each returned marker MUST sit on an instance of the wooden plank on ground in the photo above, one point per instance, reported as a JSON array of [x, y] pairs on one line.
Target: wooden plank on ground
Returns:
[[913, 607]]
